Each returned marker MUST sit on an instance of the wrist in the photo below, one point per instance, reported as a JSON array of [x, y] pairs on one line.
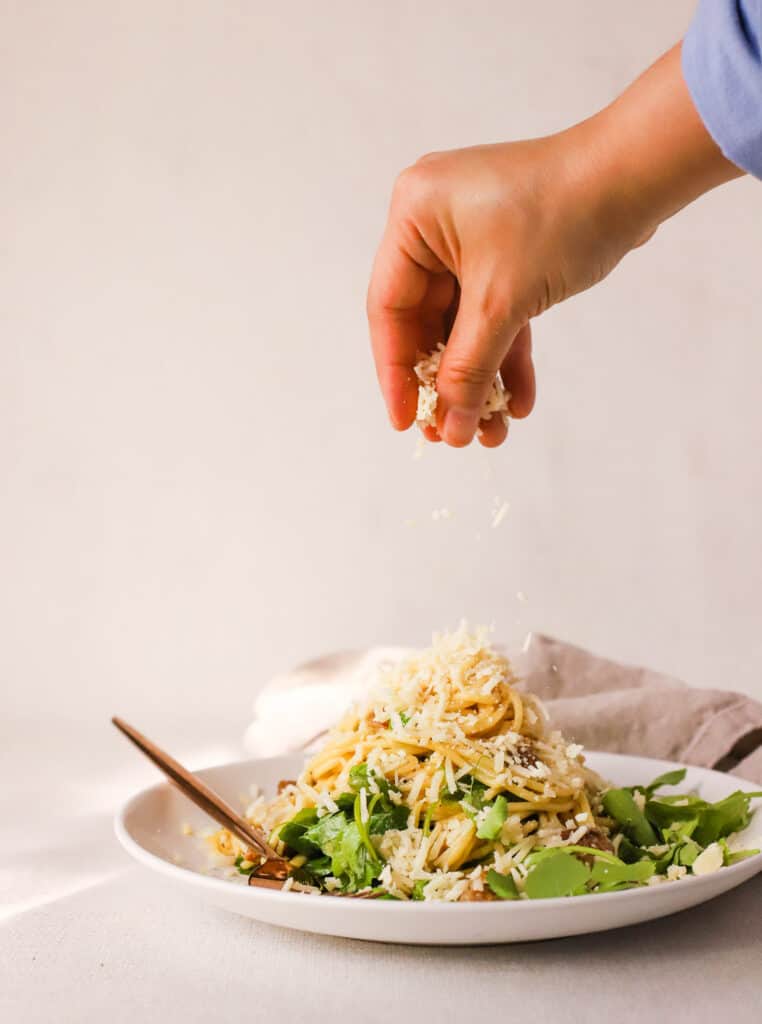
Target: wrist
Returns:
[[650, 151]]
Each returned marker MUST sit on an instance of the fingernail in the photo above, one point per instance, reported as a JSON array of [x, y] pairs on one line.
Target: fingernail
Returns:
[[460, 426]]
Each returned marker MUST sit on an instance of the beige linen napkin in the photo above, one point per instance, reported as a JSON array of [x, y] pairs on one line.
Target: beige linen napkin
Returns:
[[599, 703]]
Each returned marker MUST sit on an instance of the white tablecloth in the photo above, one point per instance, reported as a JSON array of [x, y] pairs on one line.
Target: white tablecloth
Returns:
[[86, 936]]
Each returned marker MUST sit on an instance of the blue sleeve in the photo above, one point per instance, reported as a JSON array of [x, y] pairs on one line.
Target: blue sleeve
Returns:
[[722, 66]]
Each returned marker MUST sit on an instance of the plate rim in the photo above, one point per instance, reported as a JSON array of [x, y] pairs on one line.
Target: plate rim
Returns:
[[186, 875]]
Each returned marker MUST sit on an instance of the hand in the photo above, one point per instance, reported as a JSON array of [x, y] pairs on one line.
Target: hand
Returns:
[[480, 241]]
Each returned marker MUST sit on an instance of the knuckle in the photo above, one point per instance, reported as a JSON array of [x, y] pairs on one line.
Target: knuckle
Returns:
[[417, 181], [432, 160], [494, 307], [464, 376], [409, 185]]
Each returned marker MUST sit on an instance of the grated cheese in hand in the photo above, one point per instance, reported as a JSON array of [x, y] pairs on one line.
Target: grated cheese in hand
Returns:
[[426, 370]]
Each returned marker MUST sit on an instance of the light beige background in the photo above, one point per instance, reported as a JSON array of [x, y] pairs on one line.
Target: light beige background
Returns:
[[198, 484]]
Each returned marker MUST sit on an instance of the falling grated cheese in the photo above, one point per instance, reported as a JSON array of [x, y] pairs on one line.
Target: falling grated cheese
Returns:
[[499, 514], [441, 513]]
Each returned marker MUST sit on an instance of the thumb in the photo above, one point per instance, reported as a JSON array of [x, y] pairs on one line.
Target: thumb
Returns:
[[479, 342]]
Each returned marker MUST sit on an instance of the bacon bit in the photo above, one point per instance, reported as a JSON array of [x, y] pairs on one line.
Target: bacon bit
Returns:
[[526, 755], [285, 782], [593, 838]]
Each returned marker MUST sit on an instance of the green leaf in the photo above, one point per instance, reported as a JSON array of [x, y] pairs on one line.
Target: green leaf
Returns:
[[628, 851], [350, 861], [396, 818], [661, 861], [680, 830], [559, 875], [346, 802], [609, 876], [363, 830], [326, 832], [426, 826], [682, 800], [314, 871], [418, 887], [588, 851], [665, 815], [342, 841], [687, 853], [347, 851], [675, 822], [494, 819], [503, 886], [733, 858], [360, 778], [621, 806], [726, 816], [292, 832], [469, 792], [667, 779], [245, 867]]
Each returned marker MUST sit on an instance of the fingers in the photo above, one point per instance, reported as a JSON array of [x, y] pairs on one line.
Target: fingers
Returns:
[[397, 288], [517, 372], [430, 433], [493, 432], [476, 348], [406, 305]]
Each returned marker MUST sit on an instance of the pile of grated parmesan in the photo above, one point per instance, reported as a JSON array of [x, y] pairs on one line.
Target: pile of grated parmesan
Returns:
[[426, 370]]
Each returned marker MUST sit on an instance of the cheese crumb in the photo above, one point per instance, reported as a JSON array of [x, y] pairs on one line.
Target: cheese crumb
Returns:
[[499, 514], [364, 805], [708, 860], [676, 872]]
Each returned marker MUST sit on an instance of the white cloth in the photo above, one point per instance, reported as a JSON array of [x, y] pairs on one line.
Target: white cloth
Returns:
[[595, 701]]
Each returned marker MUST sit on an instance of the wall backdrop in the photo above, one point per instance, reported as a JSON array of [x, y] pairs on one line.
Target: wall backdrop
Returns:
[[198, 483]]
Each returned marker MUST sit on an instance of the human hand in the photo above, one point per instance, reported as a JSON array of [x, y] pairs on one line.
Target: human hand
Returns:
[[480, 241]]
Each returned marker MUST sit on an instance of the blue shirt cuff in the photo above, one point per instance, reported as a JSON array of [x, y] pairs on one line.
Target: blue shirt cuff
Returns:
[[722, 66]]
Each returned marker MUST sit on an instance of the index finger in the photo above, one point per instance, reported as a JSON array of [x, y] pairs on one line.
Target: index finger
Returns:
[[397, 290]]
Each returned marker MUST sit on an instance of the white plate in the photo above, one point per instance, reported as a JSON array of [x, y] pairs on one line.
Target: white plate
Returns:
[[150, 828]]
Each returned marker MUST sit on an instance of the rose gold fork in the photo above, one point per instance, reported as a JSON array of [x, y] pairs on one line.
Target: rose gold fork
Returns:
[[274, 867]]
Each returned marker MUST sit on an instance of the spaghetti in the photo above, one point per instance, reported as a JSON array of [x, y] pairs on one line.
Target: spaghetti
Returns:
[[445, 772]]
